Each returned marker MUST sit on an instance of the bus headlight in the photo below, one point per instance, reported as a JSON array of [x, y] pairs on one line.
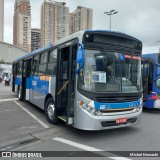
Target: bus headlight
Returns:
[[84, 106], [138, 108], [89, 109]]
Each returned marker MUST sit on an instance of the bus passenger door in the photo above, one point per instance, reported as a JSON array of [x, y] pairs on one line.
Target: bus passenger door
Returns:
[[66, 83], [28, 79]]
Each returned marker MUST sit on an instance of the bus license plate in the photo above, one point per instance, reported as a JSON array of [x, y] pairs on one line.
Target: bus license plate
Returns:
[[121, 120]]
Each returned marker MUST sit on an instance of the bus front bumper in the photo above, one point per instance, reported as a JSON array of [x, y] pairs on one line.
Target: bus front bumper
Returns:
[[90, 122], [157, 104]]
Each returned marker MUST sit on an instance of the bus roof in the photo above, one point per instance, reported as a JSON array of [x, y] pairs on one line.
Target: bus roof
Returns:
[[50, 46], [78, 35]]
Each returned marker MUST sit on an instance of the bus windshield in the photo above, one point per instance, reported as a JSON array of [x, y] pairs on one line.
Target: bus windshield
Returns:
[[106, 71]]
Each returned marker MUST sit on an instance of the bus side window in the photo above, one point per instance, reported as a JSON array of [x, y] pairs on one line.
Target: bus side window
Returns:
[[29, 67], [19, 68], [43, 63], [52, 62], [24, 68], [35, 65], [16, 69]]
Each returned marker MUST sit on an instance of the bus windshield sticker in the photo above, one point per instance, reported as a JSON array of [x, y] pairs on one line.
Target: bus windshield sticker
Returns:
[[121, 57], [99, 77]]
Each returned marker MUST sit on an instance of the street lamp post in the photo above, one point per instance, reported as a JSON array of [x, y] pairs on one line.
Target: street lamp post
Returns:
[[110, 13]]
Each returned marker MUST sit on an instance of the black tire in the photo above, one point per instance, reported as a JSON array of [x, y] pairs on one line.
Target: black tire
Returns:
[[50, 111], [19, 94]]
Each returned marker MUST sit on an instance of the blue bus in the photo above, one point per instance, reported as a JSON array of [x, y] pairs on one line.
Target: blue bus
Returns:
[[151, 80], [91, 80]]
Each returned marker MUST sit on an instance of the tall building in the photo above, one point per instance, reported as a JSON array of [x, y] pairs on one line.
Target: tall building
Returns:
[[22, 24], [35, 38], [1, 19], [54, 21], [71, 23], [81, 19]]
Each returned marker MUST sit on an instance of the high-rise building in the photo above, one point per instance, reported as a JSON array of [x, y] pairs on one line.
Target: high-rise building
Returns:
[[1, 19], [81, 19], [54, 21], [35, 38], [71, 23], [22, 24]]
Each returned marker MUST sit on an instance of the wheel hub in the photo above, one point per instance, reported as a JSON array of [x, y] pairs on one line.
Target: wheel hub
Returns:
[[50, 111]]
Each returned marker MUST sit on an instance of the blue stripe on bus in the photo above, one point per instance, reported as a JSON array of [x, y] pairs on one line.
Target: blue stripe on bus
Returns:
[[122, 105], [18, 80], [28, 83], [41, 86]]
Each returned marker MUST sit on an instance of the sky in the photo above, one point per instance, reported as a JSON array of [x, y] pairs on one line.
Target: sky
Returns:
[[138, 18]]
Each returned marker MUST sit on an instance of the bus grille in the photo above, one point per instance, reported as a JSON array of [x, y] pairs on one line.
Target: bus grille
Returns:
[[117, 110], [113, 123], [117, 99]]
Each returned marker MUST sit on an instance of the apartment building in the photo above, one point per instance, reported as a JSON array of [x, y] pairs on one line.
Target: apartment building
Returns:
[[54, 21], [35, 38], [22, 24], [80, 19], [1, 20]]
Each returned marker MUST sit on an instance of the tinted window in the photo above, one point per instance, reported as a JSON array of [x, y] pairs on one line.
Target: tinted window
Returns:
[[42, 69], [112, 39], [35, 65], [53, 56], [19, 68], [43, 58], [52, 62], [52, 69]]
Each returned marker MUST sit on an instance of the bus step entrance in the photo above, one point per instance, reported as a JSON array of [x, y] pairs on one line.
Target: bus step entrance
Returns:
[[63, 118]]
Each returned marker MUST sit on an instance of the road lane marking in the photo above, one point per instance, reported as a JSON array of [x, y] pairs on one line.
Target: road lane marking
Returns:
[[27, 127], [10, 99], [7, 110], [32, 115], [86, 148]]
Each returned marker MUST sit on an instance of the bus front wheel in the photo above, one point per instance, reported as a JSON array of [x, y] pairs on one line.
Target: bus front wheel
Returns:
[[50, 111]]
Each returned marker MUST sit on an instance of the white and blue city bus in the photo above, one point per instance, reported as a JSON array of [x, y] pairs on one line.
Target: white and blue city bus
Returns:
[[91, 80], [151, 80]]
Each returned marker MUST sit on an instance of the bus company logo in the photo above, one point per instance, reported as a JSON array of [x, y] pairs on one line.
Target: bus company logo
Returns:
[[102, 106]]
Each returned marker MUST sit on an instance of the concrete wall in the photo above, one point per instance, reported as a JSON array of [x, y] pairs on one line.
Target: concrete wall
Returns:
[[9, 52]]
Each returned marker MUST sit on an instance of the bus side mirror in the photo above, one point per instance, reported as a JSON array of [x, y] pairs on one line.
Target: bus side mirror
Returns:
[[80, 58]]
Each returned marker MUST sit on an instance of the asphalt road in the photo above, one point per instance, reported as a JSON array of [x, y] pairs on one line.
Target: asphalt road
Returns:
[[23, 127]]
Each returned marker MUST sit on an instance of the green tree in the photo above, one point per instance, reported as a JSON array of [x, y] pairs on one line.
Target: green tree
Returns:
[[2, 61]]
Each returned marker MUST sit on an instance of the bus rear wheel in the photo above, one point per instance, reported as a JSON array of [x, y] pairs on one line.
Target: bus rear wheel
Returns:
[[50, 111]]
